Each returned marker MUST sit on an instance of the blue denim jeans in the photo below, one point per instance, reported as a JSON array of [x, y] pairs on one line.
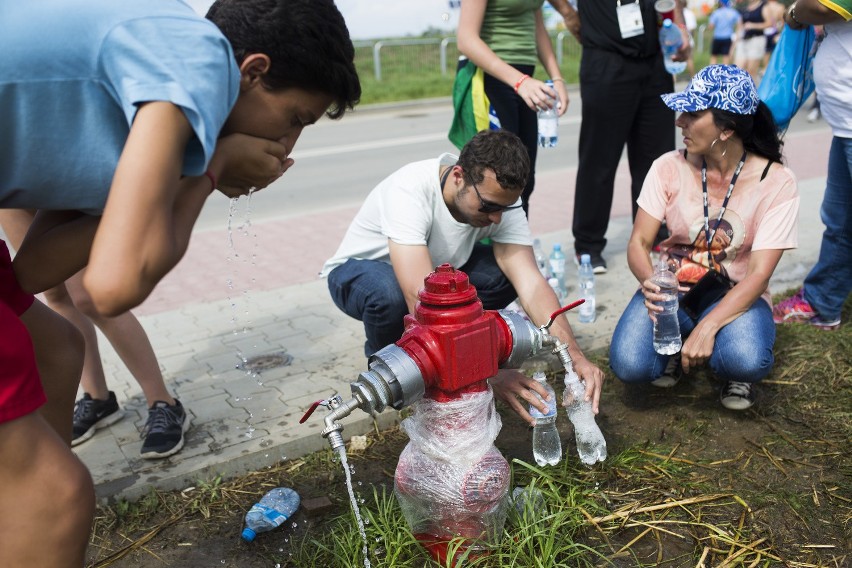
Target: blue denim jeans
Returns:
[[368, 291], [742, 352], [830, 280]]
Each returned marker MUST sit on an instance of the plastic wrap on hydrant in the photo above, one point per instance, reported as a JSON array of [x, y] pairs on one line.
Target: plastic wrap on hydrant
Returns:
[[451, 480]]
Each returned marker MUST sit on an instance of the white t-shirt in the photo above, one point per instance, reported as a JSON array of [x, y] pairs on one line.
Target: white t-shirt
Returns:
[[833, 77], [408, 208], [761, 215]]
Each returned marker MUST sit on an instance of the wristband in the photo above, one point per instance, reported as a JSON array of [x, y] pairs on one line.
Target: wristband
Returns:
[[792, 12], [212, 179], [521, 80], [560, 79]]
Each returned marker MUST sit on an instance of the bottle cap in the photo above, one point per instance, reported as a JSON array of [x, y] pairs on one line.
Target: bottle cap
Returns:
[[585, 259], [248, 534], [667, 23], [557, 246]]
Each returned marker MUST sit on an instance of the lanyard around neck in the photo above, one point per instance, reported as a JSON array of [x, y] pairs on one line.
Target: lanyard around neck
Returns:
[[707, 234]]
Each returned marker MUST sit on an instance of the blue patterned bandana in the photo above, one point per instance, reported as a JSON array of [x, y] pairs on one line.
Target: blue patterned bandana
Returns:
[[725, 87]]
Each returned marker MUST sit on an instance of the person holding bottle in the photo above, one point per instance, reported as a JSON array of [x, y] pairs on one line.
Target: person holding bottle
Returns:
[[621, 79], [505, 38], [727, 233]]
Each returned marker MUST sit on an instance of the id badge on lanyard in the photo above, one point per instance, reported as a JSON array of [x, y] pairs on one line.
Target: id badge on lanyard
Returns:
[[630, 19]]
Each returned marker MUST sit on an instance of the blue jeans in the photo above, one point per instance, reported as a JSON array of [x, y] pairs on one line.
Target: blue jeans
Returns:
[[830, 280], [368, 291], [742, 352]]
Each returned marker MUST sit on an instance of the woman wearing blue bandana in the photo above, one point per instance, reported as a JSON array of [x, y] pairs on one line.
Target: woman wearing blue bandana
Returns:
[[731, 208]]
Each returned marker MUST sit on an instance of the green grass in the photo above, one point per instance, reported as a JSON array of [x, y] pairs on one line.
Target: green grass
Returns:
[[413, 72]]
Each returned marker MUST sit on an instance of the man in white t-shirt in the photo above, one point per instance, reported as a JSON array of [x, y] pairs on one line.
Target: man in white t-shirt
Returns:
[[436, 211]]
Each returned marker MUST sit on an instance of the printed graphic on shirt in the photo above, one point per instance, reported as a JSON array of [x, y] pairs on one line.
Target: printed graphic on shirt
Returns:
[[692, 259]]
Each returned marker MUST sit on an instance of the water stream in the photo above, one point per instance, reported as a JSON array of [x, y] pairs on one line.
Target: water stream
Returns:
[[345, 463]]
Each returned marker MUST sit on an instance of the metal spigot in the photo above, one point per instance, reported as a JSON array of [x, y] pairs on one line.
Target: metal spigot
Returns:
[[559, 349], [393, 379]]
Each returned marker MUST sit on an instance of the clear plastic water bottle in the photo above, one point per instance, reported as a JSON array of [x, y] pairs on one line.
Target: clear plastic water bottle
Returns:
[[591, 445], [670, 42], [587, 289], [540, 258], [548, 123], [667, 339], [271, 511], [554, 285], [557, 267], [547, 447]]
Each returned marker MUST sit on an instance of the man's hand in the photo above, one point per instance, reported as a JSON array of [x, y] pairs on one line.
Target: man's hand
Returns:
[[248, 164], [593, 378], [509, 385]]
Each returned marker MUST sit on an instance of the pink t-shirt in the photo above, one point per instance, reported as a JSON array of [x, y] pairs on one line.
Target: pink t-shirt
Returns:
[[760, 215]]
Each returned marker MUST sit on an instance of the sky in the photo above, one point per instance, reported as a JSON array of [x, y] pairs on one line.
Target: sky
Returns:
[[368, 19]]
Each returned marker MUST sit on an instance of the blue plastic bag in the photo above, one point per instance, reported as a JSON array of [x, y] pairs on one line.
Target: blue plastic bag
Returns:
[[789, 78]]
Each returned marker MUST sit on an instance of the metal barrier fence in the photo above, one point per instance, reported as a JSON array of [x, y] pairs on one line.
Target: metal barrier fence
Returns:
[[430, 54], [440, 54]]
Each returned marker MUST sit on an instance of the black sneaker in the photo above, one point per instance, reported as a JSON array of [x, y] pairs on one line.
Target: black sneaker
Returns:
[[671, 374], [91, 414], [737, 396], [164, 430]]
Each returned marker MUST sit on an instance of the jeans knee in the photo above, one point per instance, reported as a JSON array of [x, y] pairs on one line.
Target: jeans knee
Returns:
[[629, 367], [747, 367]]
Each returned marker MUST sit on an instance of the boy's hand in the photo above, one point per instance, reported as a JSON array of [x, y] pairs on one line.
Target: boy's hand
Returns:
[[245, 163]]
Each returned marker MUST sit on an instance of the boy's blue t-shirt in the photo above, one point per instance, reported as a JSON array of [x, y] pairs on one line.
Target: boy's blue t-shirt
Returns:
[[724, 22], [71, 76]]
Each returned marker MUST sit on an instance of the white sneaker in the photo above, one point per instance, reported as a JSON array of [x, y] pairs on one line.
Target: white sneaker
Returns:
[[671, 374], [814, 115], [737, 396]]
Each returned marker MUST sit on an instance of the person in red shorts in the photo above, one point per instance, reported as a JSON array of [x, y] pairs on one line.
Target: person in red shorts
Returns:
[[38, 469]]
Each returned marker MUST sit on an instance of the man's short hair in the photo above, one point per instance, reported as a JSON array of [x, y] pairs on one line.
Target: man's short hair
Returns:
[[500, 151], [306, 40]]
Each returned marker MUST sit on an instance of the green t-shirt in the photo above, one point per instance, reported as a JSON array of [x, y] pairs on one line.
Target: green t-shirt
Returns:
[[842, 7], [508, 28]]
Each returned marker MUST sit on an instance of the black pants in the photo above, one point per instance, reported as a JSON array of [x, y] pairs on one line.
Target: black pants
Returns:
[[621, 105], [516, 117]]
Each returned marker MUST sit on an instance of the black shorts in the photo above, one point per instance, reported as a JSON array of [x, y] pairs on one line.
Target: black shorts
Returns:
[[720, 47]]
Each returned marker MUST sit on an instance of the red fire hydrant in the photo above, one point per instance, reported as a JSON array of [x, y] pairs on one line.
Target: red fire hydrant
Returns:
[[451, 482]]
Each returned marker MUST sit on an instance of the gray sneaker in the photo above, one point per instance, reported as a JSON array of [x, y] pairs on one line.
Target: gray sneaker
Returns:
[[164, 430], [671, 374], [91, 414]]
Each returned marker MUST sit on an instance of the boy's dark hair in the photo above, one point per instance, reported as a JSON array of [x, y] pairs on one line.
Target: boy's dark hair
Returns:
[[500, 151], [758, 131], [306, 40]]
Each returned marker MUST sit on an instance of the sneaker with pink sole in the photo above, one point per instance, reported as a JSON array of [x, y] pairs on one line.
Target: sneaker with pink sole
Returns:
[[796, 309]]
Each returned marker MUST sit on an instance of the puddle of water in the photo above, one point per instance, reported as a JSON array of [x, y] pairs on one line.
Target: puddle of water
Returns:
[[345, 463]]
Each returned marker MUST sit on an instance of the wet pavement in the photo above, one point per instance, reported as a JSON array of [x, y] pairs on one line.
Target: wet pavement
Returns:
[[261, 300]]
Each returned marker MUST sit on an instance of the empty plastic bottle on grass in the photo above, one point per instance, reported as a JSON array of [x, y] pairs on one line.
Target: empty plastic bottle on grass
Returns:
[[667, 339], [591, 445], [557, 267], [586, 276], [547, 447], [271, 511], [670, 42], [548, 123]]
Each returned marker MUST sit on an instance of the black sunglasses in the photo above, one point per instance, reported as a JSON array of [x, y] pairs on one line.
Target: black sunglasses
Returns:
[[491, 207]]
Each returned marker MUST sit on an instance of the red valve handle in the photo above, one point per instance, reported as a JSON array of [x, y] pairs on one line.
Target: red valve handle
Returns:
[[562, 310], [310, 411]]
